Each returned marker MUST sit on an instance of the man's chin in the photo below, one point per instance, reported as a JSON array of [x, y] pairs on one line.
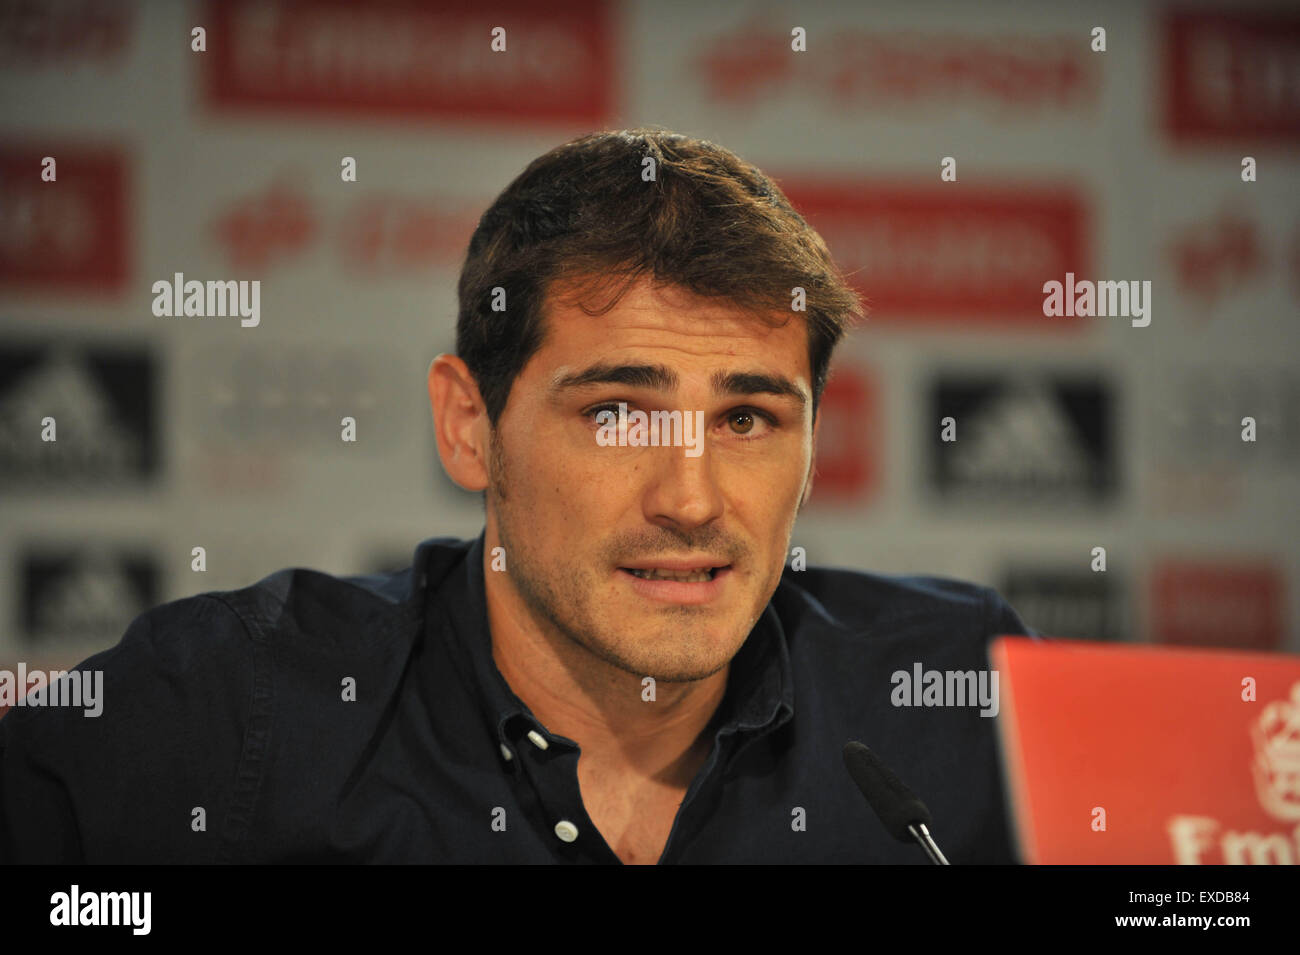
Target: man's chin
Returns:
[[671, 656], [671, 673]]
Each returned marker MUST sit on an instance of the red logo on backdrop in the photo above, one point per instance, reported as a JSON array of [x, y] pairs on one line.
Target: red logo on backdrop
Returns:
[[922, 253], [393, 234], [869, 68], [1218, 605], [405, 59], [375, 235], [1231, 76], [67, 235], [848, 438], [740, 66], [266, 229], [1219, 256]]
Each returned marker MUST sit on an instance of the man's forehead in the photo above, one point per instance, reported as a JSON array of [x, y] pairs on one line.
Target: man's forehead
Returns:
[[669, 320], [740, 380], [643, 303]]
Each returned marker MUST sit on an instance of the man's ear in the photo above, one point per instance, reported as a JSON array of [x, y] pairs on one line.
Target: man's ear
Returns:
[[812, 461], [460, 422]]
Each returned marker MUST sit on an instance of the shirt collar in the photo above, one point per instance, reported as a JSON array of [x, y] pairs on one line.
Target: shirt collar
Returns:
[[760, 686]]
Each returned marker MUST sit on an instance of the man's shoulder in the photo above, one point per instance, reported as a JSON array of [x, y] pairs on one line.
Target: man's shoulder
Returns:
[[191, 641], [865, 602], [210, 642], [303, 605]]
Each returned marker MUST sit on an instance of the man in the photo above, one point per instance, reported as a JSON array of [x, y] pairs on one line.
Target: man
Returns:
[[620, 668]]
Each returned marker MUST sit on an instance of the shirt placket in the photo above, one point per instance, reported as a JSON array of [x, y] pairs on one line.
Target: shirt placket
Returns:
[[549, 765]]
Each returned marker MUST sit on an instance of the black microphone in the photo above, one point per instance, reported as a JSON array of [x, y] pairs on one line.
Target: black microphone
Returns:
[[904, 815]]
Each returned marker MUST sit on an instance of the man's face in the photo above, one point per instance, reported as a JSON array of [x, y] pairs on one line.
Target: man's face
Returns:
[[584, 525]]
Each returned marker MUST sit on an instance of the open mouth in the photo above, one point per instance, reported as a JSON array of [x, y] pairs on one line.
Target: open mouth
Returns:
[[680, 585], [697, 576]]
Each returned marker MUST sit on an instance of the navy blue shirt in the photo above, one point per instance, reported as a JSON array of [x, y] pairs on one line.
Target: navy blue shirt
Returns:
[[229, 732]]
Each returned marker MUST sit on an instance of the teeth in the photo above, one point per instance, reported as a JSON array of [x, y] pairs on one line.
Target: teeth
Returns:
[[686, 576]]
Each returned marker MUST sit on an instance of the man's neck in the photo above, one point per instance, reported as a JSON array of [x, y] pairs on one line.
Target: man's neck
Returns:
[[601, 707]]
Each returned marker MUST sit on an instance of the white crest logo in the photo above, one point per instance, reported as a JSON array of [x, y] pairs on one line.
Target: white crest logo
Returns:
[[1276, 735]]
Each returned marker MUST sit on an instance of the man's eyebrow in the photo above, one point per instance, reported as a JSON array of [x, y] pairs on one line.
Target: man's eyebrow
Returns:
[[663, 378], [604, 373], [756, 383]]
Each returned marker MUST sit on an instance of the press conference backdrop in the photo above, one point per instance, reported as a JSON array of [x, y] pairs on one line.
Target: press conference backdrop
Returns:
[[956, 157]]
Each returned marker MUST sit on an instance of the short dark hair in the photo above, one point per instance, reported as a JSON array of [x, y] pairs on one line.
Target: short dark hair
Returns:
[[582, 214]]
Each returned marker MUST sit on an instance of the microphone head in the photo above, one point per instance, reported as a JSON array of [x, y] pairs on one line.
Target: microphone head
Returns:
[[895, 804]]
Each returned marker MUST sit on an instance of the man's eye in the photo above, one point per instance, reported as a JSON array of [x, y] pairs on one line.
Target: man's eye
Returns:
[[749, 422], [742, 422], [592, 412]]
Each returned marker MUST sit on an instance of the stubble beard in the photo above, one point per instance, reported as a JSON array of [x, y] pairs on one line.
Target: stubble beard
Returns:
[[560, 602]]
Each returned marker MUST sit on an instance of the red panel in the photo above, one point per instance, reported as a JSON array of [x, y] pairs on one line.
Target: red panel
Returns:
[[1184, 767], [948, 253], [1231, 77], [413, 60], [1203, 604], [70, 234]]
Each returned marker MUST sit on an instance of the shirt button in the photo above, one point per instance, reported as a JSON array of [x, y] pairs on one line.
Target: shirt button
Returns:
[[538, 739], [566, 830]]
